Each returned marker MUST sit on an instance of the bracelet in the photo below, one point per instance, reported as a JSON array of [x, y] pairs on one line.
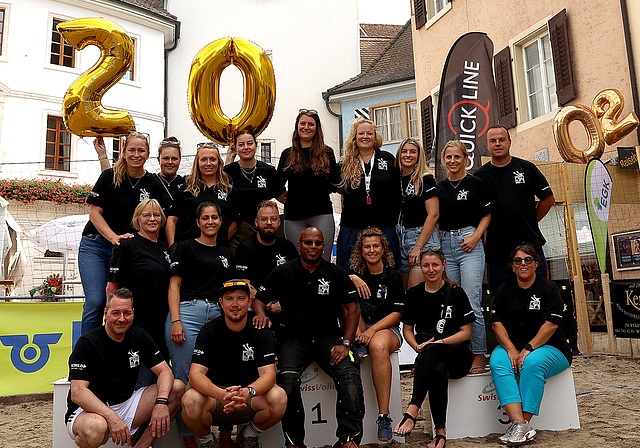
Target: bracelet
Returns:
[[162, 400], [174, 321], [102, 156], [443, 341]]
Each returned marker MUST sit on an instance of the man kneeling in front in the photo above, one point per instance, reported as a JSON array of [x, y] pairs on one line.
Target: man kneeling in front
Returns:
[[233, 374], [103, 370]]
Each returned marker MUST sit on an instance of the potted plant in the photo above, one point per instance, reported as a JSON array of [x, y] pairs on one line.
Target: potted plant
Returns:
[[50, 288]]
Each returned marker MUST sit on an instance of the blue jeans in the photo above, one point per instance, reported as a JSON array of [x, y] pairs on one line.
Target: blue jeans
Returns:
[[407, 239], [540, 365], [347, 238], [94, 255], [193, 315], [466, 269]]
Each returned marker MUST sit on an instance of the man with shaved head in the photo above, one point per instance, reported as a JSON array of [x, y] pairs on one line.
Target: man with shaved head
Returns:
[[312, 293]]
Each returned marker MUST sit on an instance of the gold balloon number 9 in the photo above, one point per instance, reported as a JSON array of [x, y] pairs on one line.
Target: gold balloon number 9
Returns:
[[608, 106], [204, 88], [83, 112]]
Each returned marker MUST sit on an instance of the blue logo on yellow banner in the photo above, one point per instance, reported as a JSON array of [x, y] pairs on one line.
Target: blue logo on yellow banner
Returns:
[[30, 357]]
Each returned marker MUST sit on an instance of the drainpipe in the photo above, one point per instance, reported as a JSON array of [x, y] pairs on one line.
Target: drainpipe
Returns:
[[176, 37], [630, 61], [326, 96]]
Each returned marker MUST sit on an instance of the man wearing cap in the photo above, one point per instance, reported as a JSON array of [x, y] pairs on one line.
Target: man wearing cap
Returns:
[[233, 374], [312, 293]]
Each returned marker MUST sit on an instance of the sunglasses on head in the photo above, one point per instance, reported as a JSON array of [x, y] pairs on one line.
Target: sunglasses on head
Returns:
[[308, 112], [201, 144], [136, 134], [431, 249], [171, 141]]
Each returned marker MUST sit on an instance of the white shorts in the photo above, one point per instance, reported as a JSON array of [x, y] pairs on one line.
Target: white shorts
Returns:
[[125, 410]]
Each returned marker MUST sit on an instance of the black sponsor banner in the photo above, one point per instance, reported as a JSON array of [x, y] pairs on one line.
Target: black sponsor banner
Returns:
[[625, 296], [627, 158], [467, 103]]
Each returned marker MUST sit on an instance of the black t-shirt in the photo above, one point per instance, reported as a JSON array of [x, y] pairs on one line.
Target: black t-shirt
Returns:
[[308, 193], [263, 184], [423, 310], [463, 203], [524, 311], [233, 357], [310, 301], [185, 205], [119, 203], [202, 268], [255, 261], [385, 196], [171, 188], [387, 295], [143, 266], [413, 211], [512, 190], [110, 367]]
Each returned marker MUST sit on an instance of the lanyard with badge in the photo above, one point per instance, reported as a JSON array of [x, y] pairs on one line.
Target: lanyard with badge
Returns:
[[367, 176]]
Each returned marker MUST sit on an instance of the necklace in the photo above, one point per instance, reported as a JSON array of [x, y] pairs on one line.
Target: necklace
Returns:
[[249, 173], [456, 185], [137, 182], [166, 184]]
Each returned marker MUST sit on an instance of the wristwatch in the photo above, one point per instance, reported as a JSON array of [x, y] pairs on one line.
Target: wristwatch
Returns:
[[346, 343], [252, 391], [528, 346]]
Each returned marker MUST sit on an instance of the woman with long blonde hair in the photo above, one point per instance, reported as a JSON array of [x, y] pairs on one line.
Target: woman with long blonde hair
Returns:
[[207, 182], [113, 200], [369, 186], [419, 210]]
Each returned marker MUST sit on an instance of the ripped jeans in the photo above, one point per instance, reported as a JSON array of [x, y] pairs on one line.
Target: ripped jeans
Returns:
[[294, 357]]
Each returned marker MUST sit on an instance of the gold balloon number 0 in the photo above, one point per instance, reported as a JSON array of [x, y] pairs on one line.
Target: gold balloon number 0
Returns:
[[83, 112], [607, 105], [204, 88]]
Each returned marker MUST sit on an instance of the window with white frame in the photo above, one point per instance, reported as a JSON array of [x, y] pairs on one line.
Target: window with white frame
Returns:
[[130, 74], [62, 52], [3, 11], [412, 115], [266, 147], [426, 11], [539, 77], [388, 120]]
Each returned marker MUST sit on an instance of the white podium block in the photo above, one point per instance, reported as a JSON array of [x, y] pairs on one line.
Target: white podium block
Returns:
[[319, 398], [474, 409], [61, 437]]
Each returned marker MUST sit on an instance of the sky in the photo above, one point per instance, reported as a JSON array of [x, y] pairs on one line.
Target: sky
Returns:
[[396, 12]]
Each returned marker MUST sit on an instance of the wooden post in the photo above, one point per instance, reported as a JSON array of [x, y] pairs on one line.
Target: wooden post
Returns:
[[584, 332], [613, 345]]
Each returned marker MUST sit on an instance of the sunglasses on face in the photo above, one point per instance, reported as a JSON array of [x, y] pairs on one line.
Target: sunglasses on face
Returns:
[[316, 243], [519, 260]]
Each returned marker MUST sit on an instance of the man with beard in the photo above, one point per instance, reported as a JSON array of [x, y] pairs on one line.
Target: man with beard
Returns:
[[312, 294], [259, 254], [233, 374]]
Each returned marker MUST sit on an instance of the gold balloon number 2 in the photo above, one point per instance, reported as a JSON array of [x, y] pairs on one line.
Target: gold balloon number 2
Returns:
[[204, 88], [85, 116], [83, 112], [607, 105]]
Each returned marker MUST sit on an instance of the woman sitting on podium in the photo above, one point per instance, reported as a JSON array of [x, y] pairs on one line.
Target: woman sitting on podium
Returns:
[[527, 321], [381, 294], [441, 315]]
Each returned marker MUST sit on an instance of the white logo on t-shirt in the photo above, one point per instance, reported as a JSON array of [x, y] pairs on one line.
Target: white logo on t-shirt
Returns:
[[247, 353], [323, 287], [222, 195], [518, 177], [166, 256], [280, 260], [382, 164], [462, 195], [134, 359], [144, 194], [447, 314], [224, 261], [411, 189], [262, 182], [535, 303], [382, 292]]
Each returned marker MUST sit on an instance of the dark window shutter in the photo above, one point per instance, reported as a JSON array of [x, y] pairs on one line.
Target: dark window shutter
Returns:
[[426, 116], [420, 10], [504, 88], [559, 36]]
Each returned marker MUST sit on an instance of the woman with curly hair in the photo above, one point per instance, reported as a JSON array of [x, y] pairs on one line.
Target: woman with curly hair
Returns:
[[369, 186], [113, 200], [207, 182], [419, 210], [309, 166], [381, 304]]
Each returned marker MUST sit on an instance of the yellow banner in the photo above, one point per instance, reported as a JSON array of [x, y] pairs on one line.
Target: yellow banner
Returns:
[[35, 344]]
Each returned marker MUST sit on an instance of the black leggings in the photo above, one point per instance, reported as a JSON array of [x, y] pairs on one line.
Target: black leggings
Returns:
[[435, 365]]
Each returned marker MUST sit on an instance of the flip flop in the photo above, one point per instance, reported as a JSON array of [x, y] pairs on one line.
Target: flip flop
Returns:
[[406, 417], [437, 440]]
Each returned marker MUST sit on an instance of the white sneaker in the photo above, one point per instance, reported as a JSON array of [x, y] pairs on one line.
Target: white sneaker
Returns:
[[522, 432], [505, 437]]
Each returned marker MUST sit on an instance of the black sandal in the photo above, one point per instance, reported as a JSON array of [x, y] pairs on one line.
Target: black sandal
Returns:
[[437, 440], [406, 417]]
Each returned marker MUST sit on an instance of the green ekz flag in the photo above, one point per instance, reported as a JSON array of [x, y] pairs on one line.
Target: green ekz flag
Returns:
[[597, 183]]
